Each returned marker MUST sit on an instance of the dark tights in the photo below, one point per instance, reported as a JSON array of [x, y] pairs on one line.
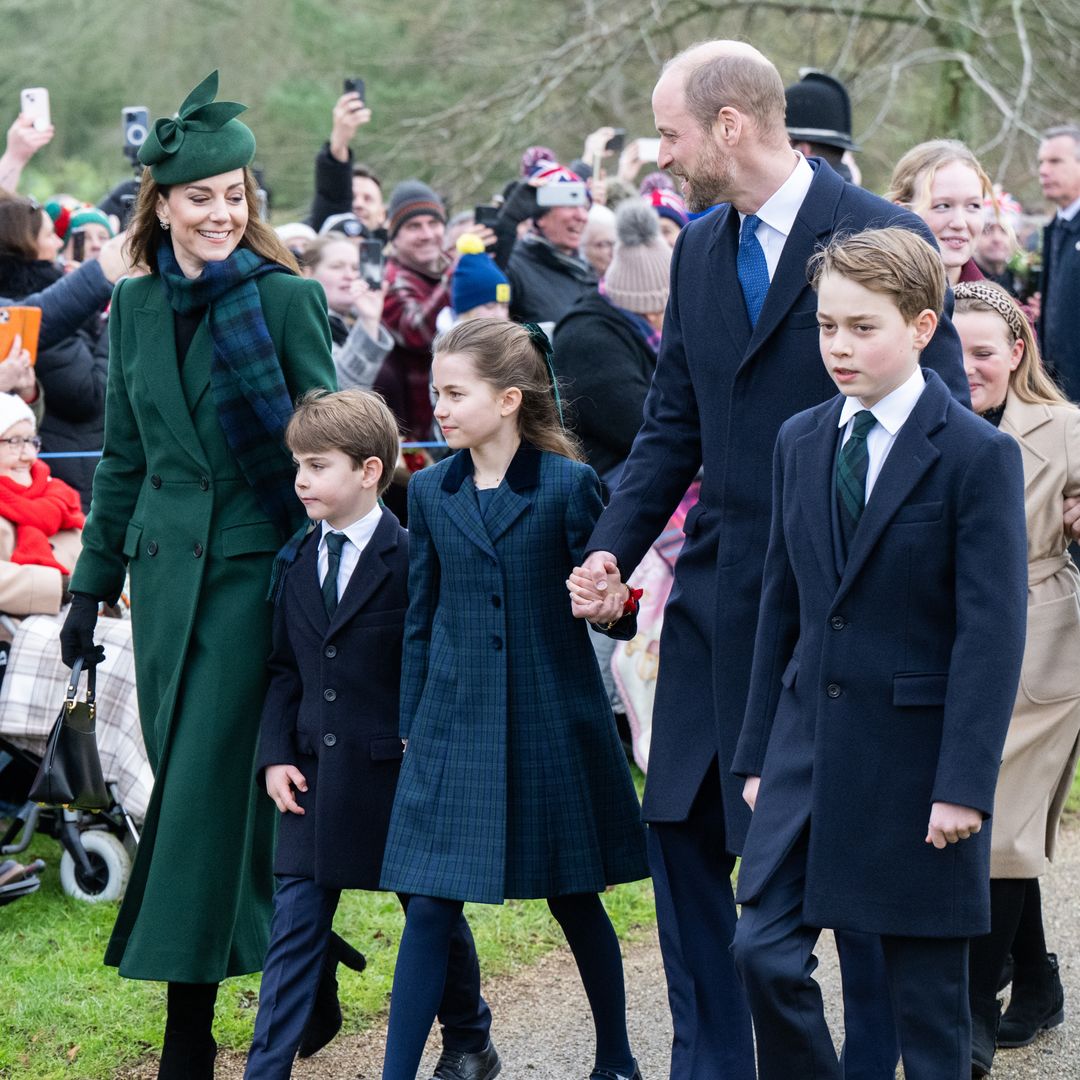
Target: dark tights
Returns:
[[1016, 929], [421, 972], [189, 1049]]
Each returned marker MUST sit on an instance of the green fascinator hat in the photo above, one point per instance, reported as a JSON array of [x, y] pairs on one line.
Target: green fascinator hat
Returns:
[[203, 139]]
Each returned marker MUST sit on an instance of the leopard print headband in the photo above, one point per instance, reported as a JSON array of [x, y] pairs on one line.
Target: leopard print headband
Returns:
[[995, 297]]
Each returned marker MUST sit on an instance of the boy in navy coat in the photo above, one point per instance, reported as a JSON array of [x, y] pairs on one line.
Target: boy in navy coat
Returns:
[[329, 746], [886, 662]]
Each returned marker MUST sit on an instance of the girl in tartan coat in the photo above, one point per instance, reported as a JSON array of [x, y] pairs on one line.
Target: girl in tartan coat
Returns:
[[514, 783]]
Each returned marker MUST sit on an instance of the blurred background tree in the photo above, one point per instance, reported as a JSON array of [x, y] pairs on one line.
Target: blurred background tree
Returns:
[[459, 88]]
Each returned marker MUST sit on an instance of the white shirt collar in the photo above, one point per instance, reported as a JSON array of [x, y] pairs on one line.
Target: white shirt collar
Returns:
[[893, 409], [359, 532], [1070, 211], [782, 207]]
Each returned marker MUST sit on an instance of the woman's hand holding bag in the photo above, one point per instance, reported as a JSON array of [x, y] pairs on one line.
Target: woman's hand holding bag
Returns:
[[77, 633]]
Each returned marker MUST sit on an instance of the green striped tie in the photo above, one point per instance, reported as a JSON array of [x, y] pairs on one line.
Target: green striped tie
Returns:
[[335, 541], [851, 466]]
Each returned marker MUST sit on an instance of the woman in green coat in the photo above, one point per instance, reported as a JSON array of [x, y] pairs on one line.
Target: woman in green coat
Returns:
[[194, 496]]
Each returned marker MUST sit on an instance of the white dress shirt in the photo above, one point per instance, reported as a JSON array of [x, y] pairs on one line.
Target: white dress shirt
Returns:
[[1070, 211], [777, 215], [890, 413], [357, 534]]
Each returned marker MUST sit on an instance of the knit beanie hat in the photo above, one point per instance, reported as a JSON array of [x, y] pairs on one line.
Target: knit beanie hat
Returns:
[[658, 180], [668, 205], [533, 156], [477, 280], [60, 215], [412, 198], [12, 410], [347, 223], [89, 215], [638, 277], [551, 172], [203, 139]]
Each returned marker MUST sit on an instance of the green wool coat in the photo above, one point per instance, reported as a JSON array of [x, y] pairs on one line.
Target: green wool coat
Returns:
[[171, 504]]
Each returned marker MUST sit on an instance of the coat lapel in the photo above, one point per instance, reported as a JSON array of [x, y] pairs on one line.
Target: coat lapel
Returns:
[[724, 252], [159, 369], [909, 460], [304, 575], [815, 221], [815, 456], [370, 571], [195, 374], [461, 506], [1020, 419]]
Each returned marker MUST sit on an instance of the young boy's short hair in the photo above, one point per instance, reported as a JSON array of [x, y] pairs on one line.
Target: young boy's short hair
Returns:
[[356, 422], [895, 262]]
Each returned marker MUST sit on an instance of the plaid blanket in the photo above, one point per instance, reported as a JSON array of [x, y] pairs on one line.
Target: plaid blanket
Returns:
[[33, 690]]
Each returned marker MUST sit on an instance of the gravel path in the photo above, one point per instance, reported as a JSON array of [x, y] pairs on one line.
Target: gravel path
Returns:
[[543, 1030]]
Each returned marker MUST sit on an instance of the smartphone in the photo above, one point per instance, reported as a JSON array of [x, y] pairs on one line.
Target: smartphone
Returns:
[[34, 102], [617, 141], [78, 247], [135, 121], [648, 149], [486, 215], [371, 262], [24, 322], [355, 85], [568, 194]]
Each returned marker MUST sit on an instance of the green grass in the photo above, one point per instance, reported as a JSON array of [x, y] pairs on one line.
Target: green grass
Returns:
[[1072, 805], [66, 1015]]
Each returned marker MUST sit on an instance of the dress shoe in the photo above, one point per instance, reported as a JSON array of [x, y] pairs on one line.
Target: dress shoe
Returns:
[[325, 1019], [187, 1059], [458, 1065], [1037, 1003], [985, 1015], [610, 1074]]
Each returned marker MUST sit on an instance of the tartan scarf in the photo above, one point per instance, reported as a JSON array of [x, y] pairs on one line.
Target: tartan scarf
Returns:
[[39, 510], [249, 388]]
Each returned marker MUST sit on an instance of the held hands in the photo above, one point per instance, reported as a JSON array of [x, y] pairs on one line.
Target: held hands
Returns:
[[750, 790], [597, 592], [949, 824], [280, 781]]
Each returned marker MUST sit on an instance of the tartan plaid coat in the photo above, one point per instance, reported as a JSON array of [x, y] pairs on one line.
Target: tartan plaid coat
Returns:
[[170, 501], [514, 783]]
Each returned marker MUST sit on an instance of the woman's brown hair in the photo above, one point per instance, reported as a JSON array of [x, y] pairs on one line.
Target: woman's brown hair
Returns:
[[504, 355], [20, 223], [145, 229], [1029, 381]]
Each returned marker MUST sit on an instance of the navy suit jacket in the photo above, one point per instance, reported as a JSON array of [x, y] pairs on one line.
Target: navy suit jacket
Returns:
[[719, 395], [332, 710], [1059, 323], [879, 691]]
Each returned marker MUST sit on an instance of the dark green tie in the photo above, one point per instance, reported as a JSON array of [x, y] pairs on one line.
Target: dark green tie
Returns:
[[335, 541], [851, 467]]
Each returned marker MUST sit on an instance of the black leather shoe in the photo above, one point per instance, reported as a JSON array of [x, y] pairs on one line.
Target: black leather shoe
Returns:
[[985, 1015], [609, 1074], [325, 1019], [1037, 1003], [187, 1059], [458, 1065]]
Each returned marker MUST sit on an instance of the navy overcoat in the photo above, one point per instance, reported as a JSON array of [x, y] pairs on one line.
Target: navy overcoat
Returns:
[[879, 692], [718, 398], [514, 783], [332, 710]]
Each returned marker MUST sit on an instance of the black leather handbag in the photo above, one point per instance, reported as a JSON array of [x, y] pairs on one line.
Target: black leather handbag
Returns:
[[70, 772]]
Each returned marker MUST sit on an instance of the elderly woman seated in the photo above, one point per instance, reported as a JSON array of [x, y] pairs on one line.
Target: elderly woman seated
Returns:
[[40, 524]]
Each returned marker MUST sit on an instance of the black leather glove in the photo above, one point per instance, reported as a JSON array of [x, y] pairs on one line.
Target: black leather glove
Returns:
[[77, 633]]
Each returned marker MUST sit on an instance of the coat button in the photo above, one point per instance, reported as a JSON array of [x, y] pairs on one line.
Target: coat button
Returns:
[[330, 695], [496, 601], [155, 481], [838, 622], [197, 551], [329, 739], [204, 483], [330, 652], [152, 548], [496, 642], [832, 690]]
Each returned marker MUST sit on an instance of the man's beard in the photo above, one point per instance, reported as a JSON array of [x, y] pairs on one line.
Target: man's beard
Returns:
[[711, 182]]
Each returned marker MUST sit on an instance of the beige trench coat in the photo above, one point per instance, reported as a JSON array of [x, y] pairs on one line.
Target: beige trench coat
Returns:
[[34, 590], [1042, 745]]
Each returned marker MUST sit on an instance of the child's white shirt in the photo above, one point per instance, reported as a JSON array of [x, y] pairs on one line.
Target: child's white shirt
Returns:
[[358, 535]]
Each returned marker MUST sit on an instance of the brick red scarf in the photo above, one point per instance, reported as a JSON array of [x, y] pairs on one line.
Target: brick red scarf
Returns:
[[39, 511]]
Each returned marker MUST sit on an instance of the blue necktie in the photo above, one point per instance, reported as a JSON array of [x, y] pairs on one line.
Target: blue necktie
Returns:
[[751, 267], [335, 541]]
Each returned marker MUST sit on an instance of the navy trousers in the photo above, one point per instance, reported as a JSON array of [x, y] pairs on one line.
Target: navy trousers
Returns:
[[299, 932], [871, 1048], [774, 955], [695, 911]]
